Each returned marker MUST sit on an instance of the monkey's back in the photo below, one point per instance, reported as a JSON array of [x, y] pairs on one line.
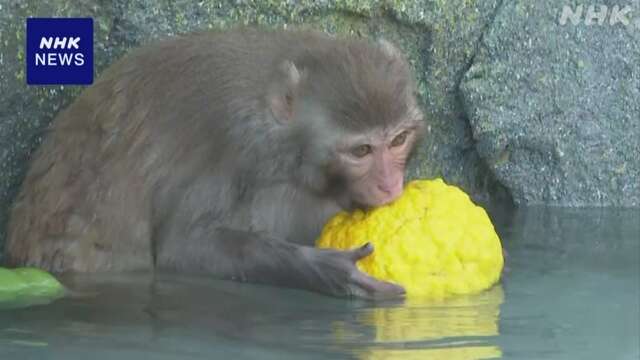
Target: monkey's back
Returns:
[[150, 124]]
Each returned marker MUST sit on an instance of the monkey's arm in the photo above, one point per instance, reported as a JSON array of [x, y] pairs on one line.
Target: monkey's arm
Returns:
[[250, 257]]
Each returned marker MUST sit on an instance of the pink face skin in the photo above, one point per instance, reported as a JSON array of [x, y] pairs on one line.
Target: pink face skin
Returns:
[[374, 165]]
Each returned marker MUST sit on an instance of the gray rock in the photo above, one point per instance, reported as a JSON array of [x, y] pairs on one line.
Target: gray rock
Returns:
[[555, 109]]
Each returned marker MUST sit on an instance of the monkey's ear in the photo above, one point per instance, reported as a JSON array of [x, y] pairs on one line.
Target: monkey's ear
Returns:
[[389, 49], [283, 91]]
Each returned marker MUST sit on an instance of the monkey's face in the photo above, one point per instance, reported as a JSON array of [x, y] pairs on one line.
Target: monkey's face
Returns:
[[372, 165], [354, 112]]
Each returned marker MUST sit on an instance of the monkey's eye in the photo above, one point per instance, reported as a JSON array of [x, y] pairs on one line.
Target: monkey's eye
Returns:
[[399, 139], [361, 150]]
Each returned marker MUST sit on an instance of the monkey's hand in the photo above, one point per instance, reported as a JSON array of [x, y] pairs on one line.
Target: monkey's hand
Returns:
[[253, 257], [334, 272]]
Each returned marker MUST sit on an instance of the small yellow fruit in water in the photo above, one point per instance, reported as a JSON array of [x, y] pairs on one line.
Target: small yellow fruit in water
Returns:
[[433, 240]]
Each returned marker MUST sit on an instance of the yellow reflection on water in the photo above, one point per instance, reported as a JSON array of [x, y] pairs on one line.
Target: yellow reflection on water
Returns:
[[455, 328], [450, 353]]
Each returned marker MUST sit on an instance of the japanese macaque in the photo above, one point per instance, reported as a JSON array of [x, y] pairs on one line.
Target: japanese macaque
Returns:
[[223, 153]]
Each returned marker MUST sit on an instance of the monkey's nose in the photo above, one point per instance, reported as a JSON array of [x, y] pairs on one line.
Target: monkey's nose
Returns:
[[391, 189]]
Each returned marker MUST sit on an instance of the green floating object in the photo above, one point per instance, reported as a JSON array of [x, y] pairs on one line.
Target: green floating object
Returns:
[[27, 286]]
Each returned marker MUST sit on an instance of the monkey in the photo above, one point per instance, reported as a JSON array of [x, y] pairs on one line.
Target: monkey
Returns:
[[223, 153]]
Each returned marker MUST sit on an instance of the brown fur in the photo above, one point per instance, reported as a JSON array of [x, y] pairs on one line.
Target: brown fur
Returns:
[[191, 136]]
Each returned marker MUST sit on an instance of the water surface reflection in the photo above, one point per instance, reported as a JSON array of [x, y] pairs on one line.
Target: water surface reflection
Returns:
[[572, 292]]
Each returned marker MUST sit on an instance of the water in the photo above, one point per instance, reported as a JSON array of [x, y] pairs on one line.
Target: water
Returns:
[[572, 292]]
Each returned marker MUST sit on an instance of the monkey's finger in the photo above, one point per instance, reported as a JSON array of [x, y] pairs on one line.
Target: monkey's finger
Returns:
[[361, 252], [377, 289]]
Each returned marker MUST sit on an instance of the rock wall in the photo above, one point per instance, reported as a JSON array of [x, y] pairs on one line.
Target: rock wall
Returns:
[[555, 109], [521, 108]]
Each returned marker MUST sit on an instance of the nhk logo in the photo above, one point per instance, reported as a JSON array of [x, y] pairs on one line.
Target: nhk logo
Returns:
[[59, 51], [57, 58], [596, 15]]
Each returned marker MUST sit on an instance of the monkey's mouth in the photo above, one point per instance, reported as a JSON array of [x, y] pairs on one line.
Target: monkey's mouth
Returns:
[[368, 205], [372, 197]]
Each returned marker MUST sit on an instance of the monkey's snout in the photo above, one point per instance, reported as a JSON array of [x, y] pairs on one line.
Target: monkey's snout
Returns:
[[390, 190]]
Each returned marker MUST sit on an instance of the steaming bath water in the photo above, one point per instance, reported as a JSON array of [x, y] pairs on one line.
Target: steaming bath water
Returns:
[[572, 292]]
